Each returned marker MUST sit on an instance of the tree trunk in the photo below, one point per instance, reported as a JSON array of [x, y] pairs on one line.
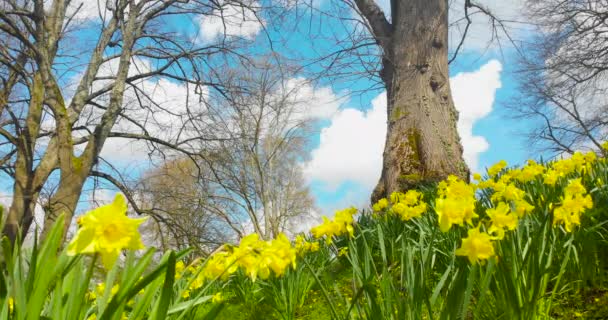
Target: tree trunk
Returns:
[[422, 142]]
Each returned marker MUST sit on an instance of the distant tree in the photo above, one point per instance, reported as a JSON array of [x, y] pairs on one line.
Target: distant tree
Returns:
[[184, 212], [249, 174], [564, 75]]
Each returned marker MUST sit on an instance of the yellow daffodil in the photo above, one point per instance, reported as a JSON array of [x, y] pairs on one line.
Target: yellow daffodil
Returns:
[[186, 294], [501, 219], [179, 269], [11, 305], [550, 177], [217, 298], [107, 230], [477, 246]]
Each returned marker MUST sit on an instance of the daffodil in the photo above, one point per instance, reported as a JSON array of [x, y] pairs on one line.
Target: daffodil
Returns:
[[477, 246], [550, 177], [217, 298], [107, 230], [11, 305], [529, 172], [501, 219], [186, 294]]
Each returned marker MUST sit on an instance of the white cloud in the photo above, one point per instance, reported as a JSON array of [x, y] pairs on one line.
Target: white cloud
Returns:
[[88, 10], [474, 94], [351, 147], [231, 21], [311, 102]]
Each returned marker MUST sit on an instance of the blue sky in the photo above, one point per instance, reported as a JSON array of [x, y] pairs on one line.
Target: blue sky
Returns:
[[346, 151]]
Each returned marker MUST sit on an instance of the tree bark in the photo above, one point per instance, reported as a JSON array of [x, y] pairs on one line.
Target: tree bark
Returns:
[[422, 141]]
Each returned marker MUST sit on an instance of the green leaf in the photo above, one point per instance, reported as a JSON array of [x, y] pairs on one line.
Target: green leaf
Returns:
[[166, 295]]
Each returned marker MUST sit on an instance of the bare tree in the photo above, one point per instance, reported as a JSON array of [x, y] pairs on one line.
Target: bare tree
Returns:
[[263, 134], [49, 133], [184, 211], [248, 175], [564, 75]]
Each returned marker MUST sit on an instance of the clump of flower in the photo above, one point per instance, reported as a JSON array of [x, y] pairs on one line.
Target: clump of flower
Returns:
[[529, 172], [341, 224], [408, 205], [107, 230], [256, 257], [574, 202], [477, 246], [506, 190], [455, 204], [578, 162], [380, 205]]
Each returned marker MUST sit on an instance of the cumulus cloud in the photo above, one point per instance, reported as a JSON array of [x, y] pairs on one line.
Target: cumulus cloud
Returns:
[[351, 147], [474, 94], [231, 21]]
